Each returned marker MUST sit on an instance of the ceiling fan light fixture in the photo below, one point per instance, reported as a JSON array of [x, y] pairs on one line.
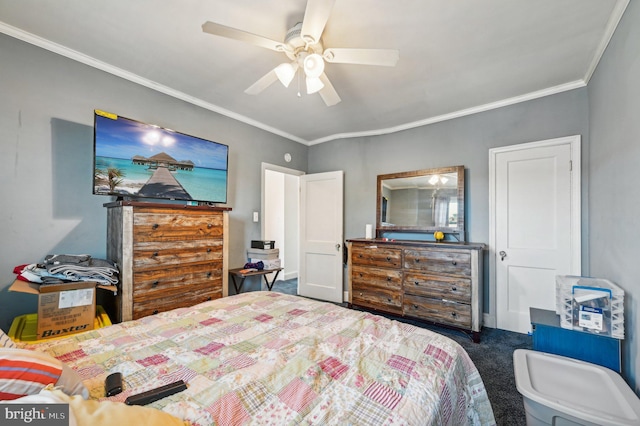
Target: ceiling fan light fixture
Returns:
[[314, 84], [286, 72], [313, 65]]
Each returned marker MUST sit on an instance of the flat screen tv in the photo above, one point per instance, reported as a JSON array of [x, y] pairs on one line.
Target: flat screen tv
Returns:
[[134, 160]]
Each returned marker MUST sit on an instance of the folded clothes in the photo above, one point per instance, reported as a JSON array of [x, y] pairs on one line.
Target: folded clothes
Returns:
[[61, 268]]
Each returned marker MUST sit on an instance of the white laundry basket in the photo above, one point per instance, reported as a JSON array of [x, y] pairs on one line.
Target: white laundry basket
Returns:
[[563, 391]]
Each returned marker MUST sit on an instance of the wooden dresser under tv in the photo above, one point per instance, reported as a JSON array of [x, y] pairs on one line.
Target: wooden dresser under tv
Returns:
[[169, 255], [435, 282]]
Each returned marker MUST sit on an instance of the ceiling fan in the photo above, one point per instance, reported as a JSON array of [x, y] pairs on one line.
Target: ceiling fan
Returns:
[[303, 46]]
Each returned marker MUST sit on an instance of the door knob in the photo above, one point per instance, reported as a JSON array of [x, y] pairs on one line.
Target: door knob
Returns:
[[338, 247], [503, 254]]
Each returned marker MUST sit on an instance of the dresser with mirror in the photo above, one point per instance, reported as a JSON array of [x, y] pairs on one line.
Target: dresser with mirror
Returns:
[[403, 270]]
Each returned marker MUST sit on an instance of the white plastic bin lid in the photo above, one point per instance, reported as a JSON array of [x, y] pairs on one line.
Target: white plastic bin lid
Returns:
[[583, 390]]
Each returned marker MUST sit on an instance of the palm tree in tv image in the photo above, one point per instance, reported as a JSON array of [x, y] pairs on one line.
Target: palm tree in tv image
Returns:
[[113, 176]]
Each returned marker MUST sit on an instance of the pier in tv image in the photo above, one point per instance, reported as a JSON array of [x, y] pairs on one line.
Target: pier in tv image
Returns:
[[138, 160]]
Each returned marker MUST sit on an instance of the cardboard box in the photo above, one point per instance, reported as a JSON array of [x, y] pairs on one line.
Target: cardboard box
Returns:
[[62, 308]]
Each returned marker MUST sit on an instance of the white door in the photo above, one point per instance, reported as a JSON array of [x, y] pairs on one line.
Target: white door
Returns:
[[321, 236], [536, 224], [280, 214]]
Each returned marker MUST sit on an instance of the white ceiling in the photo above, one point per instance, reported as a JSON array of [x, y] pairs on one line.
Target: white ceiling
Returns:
[[456, 57]]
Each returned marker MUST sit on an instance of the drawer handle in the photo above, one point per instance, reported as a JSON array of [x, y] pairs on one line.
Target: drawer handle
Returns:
[[360, 293], [415, 306], [454, 263], [361, 275], [389, 299], [155, 284], [209, 298], [155, 226], [388, 278], [155, 311], [208, 249], [209, 225], [416, 282], [209, 274], [388, 258], [453, 314], [454, 289], [360, 256], [155, 254]]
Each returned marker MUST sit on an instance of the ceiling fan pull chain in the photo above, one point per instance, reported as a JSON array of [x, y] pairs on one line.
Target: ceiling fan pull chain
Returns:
[[299, 95]]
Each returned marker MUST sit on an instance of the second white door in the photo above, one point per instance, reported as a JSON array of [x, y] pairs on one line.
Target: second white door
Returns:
[[536, 224]]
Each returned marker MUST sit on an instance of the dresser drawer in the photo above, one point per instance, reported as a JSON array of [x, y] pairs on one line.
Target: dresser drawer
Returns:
[[438, 286], [182, 300], [440, 311], [366, 255], [148, 226], [178, 280], [365, 277], [454, 262], [153, 254], [388, 300]]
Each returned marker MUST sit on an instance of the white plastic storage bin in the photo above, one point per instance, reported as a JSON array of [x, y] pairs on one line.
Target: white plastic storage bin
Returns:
[[592, 305], [563, 391]]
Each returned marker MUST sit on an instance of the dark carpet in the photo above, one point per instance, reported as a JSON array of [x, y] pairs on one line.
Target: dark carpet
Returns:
[[493, 358]]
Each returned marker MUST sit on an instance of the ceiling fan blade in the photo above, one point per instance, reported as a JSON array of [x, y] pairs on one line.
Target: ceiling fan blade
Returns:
[[267, 80], [328, 93], [316, 16], [384, 57], [235, 34]]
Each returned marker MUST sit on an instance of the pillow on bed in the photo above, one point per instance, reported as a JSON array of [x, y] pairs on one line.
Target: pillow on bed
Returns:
[[24, 372], [5, 341]]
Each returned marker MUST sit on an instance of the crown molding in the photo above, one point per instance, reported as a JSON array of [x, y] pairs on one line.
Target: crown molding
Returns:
[[127, 75], [614, 20], [457, 114], [616, 15]]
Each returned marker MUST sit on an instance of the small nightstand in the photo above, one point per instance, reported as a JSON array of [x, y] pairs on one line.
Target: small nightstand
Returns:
[[550, 337]]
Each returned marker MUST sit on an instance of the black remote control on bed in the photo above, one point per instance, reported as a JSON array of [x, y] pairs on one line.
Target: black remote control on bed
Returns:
[[153, 395]]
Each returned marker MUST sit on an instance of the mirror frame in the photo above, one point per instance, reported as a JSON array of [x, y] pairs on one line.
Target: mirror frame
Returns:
[[458, 231]]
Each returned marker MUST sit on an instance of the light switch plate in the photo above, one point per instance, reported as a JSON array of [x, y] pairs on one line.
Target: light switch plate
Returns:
[[255, 216]]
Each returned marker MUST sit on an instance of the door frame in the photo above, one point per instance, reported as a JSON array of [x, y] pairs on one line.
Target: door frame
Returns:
[[280, 169], [490, 319]]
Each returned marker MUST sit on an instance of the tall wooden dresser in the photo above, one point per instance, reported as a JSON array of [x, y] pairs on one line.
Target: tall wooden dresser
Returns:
[[435, 282], [169, 255]]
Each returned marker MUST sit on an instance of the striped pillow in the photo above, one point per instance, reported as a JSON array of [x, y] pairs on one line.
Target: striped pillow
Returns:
[[5, 341], [24, 372]]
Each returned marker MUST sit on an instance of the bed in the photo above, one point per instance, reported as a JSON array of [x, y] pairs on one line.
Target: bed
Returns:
[[271, 358]]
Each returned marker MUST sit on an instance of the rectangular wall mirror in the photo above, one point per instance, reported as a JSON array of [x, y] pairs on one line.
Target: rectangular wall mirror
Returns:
[[422, 201]]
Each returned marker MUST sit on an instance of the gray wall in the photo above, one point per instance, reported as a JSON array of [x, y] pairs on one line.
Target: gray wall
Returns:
[[614, 157], [464, 141], [46, 148]]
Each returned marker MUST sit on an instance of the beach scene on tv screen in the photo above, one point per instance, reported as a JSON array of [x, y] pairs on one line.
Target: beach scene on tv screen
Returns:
[[134, 159]]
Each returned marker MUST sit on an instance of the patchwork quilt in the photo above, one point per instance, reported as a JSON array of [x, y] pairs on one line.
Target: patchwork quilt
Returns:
[[275, 359]]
